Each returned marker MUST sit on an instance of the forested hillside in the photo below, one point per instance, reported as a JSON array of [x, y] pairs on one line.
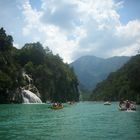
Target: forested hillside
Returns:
[[91, 70], [54, 79], [123, 84]]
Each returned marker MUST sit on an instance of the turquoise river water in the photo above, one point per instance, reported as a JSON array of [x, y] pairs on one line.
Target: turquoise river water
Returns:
[[81, 121]]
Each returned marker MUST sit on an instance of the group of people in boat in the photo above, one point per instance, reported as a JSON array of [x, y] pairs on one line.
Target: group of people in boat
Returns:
[[57, 104], [127, 105]]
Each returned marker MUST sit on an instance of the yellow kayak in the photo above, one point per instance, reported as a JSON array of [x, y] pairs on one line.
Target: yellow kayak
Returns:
[[56, 107]]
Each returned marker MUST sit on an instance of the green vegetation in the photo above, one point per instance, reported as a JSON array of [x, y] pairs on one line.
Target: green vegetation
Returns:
[[123, 84], [91, 70], [53, 78], [10, 71]]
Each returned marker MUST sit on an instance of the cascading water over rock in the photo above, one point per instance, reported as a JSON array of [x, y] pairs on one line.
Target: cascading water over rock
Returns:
[[30, 97], [27, 92]]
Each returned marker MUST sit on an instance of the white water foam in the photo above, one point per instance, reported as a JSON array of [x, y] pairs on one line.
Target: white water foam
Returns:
[[30, 97]]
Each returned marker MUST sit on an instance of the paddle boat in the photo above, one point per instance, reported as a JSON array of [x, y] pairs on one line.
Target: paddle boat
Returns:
[[107, 103], [70, 102], [127, 106], [57, 106], [123, 108]]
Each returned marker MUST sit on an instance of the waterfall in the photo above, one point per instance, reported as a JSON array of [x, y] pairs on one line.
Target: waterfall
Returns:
[[26, 76], [30, 97], [30, 93]]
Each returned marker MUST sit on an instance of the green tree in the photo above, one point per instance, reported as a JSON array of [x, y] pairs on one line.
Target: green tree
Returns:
[[53, 78], [122, 84]]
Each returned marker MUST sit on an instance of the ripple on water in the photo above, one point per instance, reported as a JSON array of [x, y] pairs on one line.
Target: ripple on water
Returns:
[[81, 121]]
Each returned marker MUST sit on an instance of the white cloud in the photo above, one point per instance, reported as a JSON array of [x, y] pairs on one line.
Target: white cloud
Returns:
[[130, 30], [50, 35], [127, 50], [31, 20], [16, 45], [60, 13], [81, 27]]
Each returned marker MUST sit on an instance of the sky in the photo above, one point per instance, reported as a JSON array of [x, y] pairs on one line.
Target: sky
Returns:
[[74, 28]]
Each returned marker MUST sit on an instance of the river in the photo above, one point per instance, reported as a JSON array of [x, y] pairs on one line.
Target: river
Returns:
[[80, 121]]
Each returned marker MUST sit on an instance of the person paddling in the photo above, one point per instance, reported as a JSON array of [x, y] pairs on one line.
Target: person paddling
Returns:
[[127, 104]]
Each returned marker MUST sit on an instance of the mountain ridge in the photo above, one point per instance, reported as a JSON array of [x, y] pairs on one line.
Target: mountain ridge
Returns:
[[91, 69]]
